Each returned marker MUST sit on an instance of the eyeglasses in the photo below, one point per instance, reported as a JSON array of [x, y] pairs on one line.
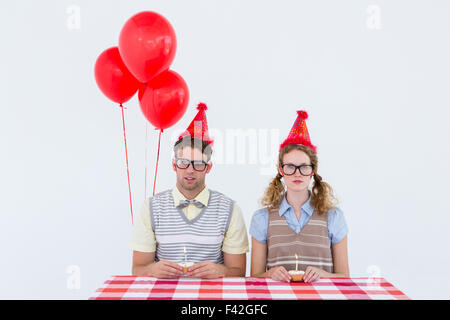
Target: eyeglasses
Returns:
[[304, 169], [198, 165]]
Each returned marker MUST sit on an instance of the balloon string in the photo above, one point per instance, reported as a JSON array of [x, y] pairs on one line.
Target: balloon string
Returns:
[[157, 160], [146, 143], [126, 157]]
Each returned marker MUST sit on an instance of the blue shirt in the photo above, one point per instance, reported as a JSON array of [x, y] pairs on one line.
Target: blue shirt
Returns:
[[337, 227]]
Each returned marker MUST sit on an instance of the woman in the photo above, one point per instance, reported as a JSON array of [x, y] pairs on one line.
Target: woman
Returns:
[[299, 228]]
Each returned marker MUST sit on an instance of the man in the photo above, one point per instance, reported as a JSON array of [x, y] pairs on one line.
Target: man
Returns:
[[190, 221]]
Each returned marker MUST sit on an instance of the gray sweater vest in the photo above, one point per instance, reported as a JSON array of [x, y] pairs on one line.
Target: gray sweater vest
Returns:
[[202, 236]]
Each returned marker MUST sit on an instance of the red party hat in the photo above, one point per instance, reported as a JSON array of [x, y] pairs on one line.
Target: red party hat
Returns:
[[198, 127], [299, 132]]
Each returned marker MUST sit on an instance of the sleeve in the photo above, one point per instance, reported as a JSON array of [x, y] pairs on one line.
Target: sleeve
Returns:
[[236, 240], [337, 227], [259, 224], [142, 235]]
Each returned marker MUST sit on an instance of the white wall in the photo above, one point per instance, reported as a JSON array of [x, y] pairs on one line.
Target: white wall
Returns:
[[375, 87]]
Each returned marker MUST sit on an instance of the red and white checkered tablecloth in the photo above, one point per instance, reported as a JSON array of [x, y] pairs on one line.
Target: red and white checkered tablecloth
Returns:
[[131, 287]]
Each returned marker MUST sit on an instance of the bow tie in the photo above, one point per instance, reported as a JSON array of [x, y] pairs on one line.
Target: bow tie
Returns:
[[185, 203]]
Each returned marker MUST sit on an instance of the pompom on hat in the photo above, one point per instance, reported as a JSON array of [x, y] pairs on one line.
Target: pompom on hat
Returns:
[[299, 132], [199, 126]]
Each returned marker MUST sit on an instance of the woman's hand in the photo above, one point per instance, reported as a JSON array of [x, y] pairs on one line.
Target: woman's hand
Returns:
[[313, 274], [279, 274]]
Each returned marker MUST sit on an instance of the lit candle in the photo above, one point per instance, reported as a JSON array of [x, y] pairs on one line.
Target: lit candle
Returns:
[[296, 262], [185, 254]]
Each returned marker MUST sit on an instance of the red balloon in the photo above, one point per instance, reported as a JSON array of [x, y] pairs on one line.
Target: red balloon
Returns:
[[113, 77], [164, 99], [147, 44]]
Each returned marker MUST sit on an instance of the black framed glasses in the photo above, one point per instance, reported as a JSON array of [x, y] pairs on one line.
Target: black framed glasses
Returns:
[[304, 169], [197, 165]]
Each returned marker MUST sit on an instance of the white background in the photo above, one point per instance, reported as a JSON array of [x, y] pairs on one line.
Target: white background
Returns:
[[373, 76]]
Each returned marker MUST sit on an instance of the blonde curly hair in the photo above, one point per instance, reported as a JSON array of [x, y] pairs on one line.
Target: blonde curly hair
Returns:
[[322, 198]]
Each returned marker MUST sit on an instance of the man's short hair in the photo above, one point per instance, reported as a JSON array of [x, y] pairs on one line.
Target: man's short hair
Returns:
[[192, 142]]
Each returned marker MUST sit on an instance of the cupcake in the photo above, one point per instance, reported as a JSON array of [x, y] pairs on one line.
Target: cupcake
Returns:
[[186, 265], [296, 275]]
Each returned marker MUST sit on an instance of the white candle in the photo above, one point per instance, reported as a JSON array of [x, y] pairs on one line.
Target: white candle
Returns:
[[296, 262], [185, 254]]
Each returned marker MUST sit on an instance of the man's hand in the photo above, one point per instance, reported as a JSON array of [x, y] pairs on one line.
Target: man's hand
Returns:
[[165, 269], [206, 269]]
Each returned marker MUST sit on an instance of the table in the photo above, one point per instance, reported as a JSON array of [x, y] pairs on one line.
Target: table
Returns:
[[248, 288]]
